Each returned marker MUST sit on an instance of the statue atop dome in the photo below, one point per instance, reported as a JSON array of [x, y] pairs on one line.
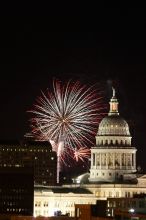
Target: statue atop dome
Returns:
[[114, 92]]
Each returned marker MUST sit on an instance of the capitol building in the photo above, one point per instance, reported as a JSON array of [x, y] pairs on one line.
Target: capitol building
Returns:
[[113, 158], [112, 174]]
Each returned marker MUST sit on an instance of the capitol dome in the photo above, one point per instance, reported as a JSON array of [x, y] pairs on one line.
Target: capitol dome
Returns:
[[113, 125], [113, 129]]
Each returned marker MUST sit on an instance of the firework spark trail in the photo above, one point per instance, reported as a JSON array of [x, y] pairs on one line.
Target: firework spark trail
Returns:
[[70, 113]]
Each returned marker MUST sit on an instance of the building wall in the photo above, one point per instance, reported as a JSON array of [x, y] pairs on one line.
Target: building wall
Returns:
[[83, 212], [46, 202], [16, 191], [87, 212], [109, 165], [126, 205], [38, 155]]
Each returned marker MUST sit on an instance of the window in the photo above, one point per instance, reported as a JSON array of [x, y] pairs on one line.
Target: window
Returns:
[[134, 203], [117, 194], [45, 204], [97, 193], [141, 204], [110, 194]]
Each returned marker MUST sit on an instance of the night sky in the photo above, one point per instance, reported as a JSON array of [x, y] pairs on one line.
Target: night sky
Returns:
[[107, 48]]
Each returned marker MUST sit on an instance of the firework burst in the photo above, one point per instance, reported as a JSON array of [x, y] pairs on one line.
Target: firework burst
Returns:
[[81, 153], [68, 117]]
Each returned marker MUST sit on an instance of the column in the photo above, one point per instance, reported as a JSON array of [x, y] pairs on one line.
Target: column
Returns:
[[106, 160], [113, 157], [131, 160], [100, 161], [134, 160], [120, 161], [95, 159], [91, 159], [125, 160]]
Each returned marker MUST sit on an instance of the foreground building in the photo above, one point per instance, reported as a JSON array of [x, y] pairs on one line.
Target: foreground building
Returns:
[[49, 200], [16, 191], [135, 205], [112, 173]]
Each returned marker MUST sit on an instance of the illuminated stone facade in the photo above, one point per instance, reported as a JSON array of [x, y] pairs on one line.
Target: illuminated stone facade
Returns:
[[113, 156], [48, 200], [112, 173]]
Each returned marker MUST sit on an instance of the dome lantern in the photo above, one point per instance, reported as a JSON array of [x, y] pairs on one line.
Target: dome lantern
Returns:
[[113, 104]]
